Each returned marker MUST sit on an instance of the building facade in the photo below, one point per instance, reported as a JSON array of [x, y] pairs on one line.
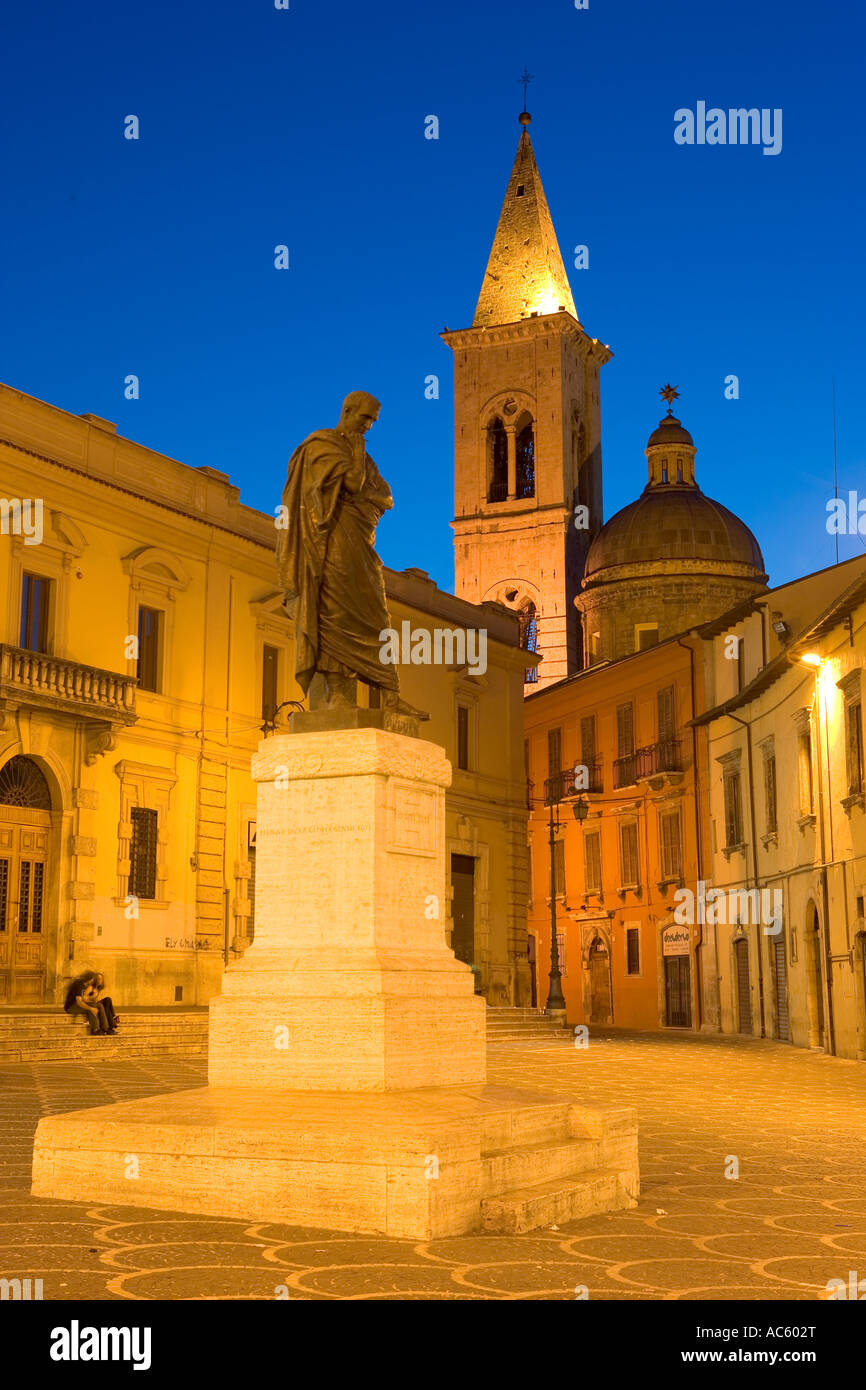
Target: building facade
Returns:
[[785, 932], [144, 647], [626, 725]]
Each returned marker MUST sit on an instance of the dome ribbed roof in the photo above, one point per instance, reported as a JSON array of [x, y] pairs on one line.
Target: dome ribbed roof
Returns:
[[670, 430], [673, 522]]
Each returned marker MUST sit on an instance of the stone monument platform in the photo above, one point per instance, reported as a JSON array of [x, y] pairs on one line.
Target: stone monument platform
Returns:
[[347, 1067]]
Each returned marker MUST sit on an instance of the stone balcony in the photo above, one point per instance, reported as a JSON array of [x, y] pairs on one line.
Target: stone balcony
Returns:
[[104, 699]]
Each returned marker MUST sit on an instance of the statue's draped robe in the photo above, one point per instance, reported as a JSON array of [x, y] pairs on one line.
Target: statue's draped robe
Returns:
[[332, 578]]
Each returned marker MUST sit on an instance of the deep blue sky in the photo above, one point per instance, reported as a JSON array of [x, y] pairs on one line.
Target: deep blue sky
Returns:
[[306, 127]]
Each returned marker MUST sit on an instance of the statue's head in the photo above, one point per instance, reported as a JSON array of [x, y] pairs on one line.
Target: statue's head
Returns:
[[360, 411]]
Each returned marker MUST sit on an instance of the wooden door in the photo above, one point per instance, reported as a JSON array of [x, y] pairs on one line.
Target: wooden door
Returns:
[[24, 843], [744, 985], [780, 977], [600, 1006], [678, 991]]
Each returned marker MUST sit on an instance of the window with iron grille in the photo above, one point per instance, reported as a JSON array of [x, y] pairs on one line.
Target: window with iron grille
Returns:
[[35, 599], [632, 951], [559, 867], [142, 852], [270, 672], [628, 855], [770, 792], [670, 844], [149, 633], [854, 746], [592, 861], [733, 809], [560, 946]]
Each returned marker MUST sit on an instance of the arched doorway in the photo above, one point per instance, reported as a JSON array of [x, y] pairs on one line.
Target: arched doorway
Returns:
[[744, 985], [600, 1000], [816, 980], [25, 838]]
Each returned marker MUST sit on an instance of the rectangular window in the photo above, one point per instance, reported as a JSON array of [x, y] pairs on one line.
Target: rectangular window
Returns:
[[142, 852], [632, 951], [592, 862], [587, 740], [554, 752], [646, 636], [628, 855], [741, 663], [270, 672], [667, 718], [670, 845], [35, 599], [463, 738], [804, 769], [624, 730], [529, 870], [559, 867], [733, 810], [854, 747], [770, 792], [149, 634]]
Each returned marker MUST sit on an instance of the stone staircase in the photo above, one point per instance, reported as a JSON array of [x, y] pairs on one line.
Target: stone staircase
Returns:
[[524, 1025], [47, 1034], [566, 1162]]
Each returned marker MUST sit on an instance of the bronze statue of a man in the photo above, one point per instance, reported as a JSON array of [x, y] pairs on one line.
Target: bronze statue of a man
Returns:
[[331, 576]]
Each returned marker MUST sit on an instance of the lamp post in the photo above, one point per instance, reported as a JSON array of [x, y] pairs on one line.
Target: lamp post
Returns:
[[555, 1006]]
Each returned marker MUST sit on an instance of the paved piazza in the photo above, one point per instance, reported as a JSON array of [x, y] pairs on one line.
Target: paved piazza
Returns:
[[793, 1219]]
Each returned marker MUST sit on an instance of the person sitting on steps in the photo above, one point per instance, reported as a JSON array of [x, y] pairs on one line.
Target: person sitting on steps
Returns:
[[97, 987], [80, 1000]]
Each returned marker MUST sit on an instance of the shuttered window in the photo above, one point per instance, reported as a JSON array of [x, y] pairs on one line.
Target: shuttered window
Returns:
[[559, 867], [770, 792], [624, 730], [733, 810], [554, 752], [592, 862], [628, 855], [854, 747], [670, 844], [632, 949], [666, 714], [587, 739]]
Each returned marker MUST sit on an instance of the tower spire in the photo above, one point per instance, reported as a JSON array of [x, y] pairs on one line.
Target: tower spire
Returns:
[[525, 274]]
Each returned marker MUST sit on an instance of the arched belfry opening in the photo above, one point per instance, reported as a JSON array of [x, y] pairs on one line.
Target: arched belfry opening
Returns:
[[497, 461], [524, 447]]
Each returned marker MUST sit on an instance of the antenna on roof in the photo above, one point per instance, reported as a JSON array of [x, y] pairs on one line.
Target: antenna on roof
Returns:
[[835, 464]]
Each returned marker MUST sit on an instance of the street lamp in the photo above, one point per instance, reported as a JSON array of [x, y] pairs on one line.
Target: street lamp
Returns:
[[555, 1006]]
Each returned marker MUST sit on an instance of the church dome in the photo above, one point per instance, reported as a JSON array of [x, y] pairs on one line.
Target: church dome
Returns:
[[673, 522]]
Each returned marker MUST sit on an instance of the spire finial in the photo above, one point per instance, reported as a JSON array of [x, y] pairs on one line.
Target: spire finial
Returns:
[[670, 394], [527, 77]]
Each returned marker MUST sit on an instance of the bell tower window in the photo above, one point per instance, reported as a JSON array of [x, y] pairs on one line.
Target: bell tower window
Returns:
[[525, 450], [497, 461], [528, 615]]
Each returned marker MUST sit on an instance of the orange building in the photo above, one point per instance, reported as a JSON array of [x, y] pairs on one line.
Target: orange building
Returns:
[[624, 959]]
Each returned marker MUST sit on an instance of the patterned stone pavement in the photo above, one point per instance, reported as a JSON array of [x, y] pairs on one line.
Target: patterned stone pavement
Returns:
[[794, 1218]]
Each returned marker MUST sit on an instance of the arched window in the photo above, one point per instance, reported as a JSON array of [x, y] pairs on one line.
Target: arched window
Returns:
[[497, 461], [22, 783], [525, 449], [528, 615]]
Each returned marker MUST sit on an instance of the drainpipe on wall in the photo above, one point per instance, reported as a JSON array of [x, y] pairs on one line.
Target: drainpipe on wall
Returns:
[[748, 728], [825, 871]]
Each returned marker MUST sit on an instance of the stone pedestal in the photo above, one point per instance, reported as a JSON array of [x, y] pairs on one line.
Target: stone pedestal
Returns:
[[347, 1077], [349, 985]]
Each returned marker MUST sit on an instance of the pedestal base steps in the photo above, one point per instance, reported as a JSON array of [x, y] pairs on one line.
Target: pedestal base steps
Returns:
[[417, 1164]]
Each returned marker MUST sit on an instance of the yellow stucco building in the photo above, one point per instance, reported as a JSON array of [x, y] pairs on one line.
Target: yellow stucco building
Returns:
[[143, 647], [785, 931]]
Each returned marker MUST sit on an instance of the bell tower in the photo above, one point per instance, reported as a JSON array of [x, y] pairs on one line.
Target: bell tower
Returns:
[[527, 431]]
